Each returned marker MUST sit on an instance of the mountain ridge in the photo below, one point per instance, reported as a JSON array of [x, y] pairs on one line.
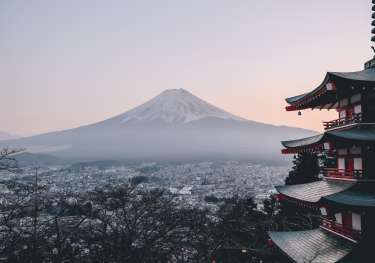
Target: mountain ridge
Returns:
[[8, 136], [173, 125]]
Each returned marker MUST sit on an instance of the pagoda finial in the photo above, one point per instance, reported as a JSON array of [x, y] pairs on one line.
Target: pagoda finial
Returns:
[[373, 24]]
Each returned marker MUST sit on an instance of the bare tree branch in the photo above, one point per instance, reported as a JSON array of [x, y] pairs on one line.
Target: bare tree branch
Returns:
[[7, 160]]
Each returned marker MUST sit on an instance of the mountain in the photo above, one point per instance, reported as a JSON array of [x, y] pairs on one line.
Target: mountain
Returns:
[[175, 125], [7, 136], [176, 107]]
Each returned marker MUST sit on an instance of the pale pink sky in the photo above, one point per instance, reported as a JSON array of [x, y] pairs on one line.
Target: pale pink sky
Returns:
[[68, 63]]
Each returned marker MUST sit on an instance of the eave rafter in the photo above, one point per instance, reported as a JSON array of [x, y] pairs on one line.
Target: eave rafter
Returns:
[[347, 83]]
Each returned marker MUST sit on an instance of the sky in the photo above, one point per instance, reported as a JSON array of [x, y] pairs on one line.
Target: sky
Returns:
[[68, 63]]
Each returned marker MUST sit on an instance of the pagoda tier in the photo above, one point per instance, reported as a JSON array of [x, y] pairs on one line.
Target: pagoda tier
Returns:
[[338, 90], [358, 134], [346, 208], [312, 193], [316, 246], [349, 151], [350, 213]]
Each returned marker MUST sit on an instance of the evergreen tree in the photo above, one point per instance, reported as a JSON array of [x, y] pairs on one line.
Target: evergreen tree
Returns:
[[305, 169]]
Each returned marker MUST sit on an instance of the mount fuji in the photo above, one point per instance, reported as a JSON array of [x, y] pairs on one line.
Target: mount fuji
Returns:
[[173, 126], [176, 107]]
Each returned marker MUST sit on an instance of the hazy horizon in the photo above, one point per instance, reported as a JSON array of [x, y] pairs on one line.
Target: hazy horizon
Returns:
[[68, 64]]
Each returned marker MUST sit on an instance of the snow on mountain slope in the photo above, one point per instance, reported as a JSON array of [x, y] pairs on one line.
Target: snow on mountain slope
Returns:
[[175, 125], [175, 106]]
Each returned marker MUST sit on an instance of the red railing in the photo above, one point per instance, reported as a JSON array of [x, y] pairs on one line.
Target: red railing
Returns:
[[355, 118], [342, 173], [340, 229]]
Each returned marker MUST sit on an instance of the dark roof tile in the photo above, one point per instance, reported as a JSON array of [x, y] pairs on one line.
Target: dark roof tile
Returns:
[[315, 246]]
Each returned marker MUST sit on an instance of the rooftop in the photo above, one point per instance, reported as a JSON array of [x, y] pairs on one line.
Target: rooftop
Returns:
[[343, 84], [357, 196], [314, 246], [356, 133], [313, 192]]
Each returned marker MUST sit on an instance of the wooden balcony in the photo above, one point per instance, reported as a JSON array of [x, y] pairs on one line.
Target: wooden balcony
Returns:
[[341, 230], [356, 118], [342, 173]]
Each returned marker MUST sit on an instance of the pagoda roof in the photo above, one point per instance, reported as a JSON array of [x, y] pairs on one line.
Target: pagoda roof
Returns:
[[314, 246], [347, 83], [304, 142], [357, 133], [355, 197], [297, 98], [367, 75], [313, 192]]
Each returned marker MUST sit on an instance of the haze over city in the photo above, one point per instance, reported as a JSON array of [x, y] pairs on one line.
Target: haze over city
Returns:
[[69, 63]]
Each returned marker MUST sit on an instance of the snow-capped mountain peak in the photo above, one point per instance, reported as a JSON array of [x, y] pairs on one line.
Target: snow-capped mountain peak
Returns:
[[176, 106], [174, 125]]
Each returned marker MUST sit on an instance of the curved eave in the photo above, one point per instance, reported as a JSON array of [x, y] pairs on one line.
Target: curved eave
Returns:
[[353, 198], [314, 246], [307, 100], [295, 99], [363, 76], [359, 133], [304, 142], [312, 193], [322, 95]]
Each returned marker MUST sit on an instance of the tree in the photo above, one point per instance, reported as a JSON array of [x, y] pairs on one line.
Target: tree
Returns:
[[7, 160], [125, 224], [305, 169], [133, 225], [18, 229], [291, 216], [239, 233]]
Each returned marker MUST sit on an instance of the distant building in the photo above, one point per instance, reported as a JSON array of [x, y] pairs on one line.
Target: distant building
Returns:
[[346, 195]]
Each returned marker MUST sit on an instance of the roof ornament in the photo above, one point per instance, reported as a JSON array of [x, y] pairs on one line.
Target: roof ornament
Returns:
[[371, 63], [373, 24]]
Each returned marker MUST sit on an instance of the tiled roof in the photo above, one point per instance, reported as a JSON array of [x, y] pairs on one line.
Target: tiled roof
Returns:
[[353, 82], [359, 133], [355, 197], [313, 192], [315, 246]]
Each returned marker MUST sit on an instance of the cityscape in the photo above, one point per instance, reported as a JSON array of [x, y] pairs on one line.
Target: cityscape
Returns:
[[191, 183]]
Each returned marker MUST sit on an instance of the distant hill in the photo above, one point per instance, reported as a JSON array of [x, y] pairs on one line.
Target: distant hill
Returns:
[[175, 125], [7, 136]]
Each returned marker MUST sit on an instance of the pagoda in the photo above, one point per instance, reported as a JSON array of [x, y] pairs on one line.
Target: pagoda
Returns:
[[345, 195]]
